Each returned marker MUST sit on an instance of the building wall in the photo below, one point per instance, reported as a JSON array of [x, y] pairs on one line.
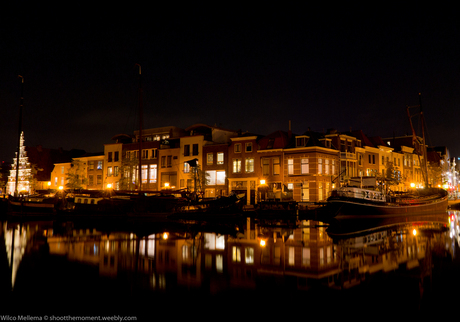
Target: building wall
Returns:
[[215, 164], [243, 167], [113, 155], [59, 174], [310, 172]]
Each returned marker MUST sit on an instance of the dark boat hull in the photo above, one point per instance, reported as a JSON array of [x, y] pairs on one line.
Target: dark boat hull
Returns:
[[357, 208]]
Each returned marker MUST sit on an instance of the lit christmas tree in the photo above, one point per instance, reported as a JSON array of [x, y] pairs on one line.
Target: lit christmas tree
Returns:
[[25, 172]]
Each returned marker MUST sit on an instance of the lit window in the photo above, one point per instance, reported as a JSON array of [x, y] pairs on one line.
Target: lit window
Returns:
[[237, 166], [304, 166], [249, 255], [211, 176], [291, 260], [276, 166], [236, 254], [99, 165], [249, 165], [220, 242], [290, 166], [220, 158], [109, 171], [186, 167], [220, 177], [305, 256], [145, 169], [219, 263], [153, 173]]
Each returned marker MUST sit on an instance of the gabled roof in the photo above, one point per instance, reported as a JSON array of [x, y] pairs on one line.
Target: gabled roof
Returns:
[[433, 157], [359, 134], [378, 141], [275, 140], [45, 159]]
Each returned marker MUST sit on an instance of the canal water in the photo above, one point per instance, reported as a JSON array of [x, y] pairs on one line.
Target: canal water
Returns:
[[146, 268]]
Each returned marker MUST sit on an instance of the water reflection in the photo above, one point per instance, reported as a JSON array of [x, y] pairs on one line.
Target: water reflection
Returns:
[[300, 258]]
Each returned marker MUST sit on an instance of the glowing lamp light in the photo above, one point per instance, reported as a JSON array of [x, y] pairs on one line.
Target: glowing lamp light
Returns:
[[262, 181], [412, 185], [414, 232], [262, 243], [166, 185], [165, 235], [109, 186], [61, 188]]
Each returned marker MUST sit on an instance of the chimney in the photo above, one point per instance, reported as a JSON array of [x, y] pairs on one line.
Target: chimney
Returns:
[[289, 131]]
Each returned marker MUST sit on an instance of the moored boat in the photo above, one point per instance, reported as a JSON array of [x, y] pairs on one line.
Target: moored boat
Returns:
[[33, 204], [366, 196], [352, 200]]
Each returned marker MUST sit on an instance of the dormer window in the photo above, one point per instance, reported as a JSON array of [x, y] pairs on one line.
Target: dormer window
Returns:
[[301, 141], [271, 141]]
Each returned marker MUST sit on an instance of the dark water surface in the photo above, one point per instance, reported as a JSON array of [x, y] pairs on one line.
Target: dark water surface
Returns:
[[150, 268]]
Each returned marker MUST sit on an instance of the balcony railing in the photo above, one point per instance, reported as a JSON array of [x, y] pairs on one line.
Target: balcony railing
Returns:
[[347, 156]]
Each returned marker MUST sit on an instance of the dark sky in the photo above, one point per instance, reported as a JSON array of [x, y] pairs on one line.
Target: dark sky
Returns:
[[247, 70]]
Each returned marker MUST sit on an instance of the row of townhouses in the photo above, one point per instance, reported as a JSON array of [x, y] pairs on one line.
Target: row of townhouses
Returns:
[[281, 165]]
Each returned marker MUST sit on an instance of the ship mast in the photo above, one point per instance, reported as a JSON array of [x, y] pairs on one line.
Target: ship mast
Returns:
[[140, 131], [420, 147], [16, 192]]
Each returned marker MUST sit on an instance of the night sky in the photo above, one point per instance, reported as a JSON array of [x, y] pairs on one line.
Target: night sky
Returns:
[[252, 70]]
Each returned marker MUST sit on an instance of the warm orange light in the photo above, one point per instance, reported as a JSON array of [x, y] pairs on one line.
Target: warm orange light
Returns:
[[262, 243], [262, 181], [165, 235]]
